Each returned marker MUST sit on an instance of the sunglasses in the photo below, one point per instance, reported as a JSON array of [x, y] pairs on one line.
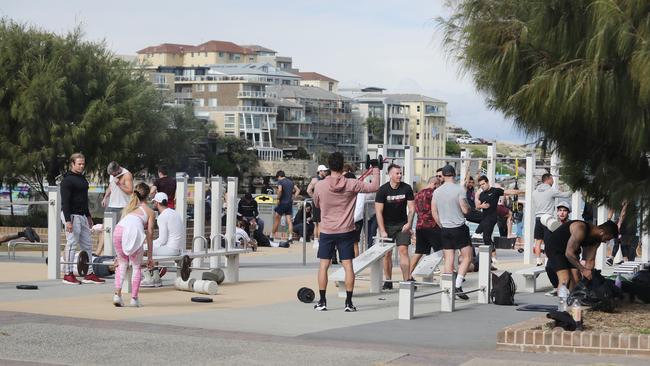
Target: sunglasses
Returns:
[[438, 176]]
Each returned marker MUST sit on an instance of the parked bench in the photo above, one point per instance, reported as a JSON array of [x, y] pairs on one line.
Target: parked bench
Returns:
[[530, 277]]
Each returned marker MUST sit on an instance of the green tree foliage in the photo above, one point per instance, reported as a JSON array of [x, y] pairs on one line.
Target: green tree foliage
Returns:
[[61, 94], [301, 153], [452, 147], [375, 129], [574, 73], [233, 157]]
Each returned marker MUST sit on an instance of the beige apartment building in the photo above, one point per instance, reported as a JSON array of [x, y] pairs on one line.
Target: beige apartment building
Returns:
[[319, 81]]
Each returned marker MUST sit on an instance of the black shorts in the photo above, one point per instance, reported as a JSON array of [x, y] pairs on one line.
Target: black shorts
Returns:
[[399, 237], [455, 238], [559, 261], [315, 214], [329, 243], [284, 209], [425, 239], [358, 226], [539, 229]]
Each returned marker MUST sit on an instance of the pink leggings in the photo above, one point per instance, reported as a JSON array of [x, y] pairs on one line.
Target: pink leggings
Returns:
[[123, 263]]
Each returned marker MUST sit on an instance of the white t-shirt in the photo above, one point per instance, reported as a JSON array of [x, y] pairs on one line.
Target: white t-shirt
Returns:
[[118, 198], [170, 230], [241, 237], [447, 198]]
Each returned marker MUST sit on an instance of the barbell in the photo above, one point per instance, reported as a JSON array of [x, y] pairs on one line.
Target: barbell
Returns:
[[83, 262]]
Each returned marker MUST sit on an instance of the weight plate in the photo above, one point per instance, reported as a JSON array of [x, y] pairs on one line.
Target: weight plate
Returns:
[[201, 299]]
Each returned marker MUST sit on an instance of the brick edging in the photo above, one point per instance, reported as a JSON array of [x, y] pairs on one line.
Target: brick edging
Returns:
[[529, 336]]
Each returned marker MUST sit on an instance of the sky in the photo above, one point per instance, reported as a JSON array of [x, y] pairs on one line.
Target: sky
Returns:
[[389, 44]]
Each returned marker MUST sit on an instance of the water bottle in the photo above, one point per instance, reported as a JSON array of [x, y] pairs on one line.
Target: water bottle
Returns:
[[576, 313], [562, 293]]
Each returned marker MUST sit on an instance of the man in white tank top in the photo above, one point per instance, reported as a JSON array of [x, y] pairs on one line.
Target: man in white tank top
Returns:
[[120, 188]]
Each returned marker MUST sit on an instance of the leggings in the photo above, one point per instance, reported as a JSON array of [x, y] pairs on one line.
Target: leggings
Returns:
[[123, 263]]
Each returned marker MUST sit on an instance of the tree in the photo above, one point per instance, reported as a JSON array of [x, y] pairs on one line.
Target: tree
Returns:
[[575, 74], [375, 129], [233, 157], [60, 94], [301, 154], [452, 147]]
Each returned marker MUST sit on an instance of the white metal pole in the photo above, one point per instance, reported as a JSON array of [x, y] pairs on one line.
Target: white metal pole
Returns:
[[181, 200], [216, 206], [576, 205], [231, 212], [484, 274], [492, 155], [199, 218], [110, 220], [601, 253], [409, 174], [53, 233], [529, 214]]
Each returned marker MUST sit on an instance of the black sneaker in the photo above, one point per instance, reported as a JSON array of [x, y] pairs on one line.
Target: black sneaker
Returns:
[[460, 294], [321, 306], [387, 285], [349, 308]]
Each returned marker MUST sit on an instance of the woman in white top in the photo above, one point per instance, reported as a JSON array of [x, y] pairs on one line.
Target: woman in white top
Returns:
[[128, 239]]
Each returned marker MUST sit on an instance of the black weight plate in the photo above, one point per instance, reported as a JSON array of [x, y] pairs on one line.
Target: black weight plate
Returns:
[[186, 262], [201, 299], [306, 295], [82, 263], [27, 287]]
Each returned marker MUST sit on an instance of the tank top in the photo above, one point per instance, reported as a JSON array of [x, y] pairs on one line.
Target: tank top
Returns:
[[118, 198], [558, 240], [133, 235]]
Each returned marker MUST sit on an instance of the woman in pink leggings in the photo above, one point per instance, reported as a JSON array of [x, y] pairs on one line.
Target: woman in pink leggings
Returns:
[[128, 238]]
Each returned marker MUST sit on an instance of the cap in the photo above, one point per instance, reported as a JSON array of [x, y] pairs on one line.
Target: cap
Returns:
[[564, 204], [448, 171], [160, 197], [322, 168]]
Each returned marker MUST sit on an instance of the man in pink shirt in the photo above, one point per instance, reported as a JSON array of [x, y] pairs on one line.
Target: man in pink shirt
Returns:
[[336, 197]]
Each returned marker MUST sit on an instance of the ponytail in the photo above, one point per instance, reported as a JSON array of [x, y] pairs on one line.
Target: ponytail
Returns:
[[140, 192]]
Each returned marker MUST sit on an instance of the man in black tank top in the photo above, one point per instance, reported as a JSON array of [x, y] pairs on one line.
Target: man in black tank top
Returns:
[[565, 244]]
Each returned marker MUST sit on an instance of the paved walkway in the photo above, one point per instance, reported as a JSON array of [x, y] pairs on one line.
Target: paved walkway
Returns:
[[254, 322]]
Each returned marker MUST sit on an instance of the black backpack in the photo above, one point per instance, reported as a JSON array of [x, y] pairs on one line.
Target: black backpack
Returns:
[[503, 289]]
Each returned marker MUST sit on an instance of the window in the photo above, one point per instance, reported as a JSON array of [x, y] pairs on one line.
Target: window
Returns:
[[237, 57], [251, 59], [229, 121], [220, 54], [200, 87], [212, 102], [417, 121], [418, 108], [192, 54], [417, 149], [212, 87], [417, 136], [200, 102]]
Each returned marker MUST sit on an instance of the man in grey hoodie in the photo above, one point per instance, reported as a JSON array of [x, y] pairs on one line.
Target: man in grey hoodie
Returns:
[[544, 203], [336, 197]]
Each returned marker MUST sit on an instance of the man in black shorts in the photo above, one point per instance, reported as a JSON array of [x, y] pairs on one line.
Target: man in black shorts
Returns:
[[449, 207], [336, 196], [427, 231], [391, 202], [544, 203], [285, 193], [565, 244]]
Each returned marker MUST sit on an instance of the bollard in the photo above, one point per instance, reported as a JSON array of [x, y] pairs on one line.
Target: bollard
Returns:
[[216, 206], [484, 274], [406, 293], [188, 285], [205, 287], [447, 298], [110, 220]]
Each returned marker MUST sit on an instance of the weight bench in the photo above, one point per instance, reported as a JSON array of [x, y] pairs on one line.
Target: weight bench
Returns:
[[372, 258], [530, 277], [426, 266], [12, 244]]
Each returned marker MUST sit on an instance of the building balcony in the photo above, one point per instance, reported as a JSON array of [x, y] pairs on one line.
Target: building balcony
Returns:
[[240, 108], [183, 95], [298, 136], [301, 121], [225, 78], [398, 115], [256, 94]]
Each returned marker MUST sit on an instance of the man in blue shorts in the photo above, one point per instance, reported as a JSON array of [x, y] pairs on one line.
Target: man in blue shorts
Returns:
[[285, 193]]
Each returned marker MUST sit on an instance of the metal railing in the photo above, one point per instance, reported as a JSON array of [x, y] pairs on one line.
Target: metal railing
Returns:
[[255, 94], [245, 78]]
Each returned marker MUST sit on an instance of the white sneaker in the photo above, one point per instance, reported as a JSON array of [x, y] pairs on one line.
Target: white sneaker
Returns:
[[314, 243], [117, 301], [135, 303], [147, 282]]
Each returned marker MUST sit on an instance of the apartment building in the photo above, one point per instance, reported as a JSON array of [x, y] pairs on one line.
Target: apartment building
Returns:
[[318, 80], [210, 53], [316, 119]]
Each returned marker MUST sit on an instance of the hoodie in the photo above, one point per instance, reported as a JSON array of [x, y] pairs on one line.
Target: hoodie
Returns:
[[336, 197], [544, 199]]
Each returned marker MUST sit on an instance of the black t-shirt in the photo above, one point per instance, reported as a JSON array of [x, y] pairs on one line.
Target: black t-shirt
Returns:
[[395, 201], [556, 243], [491, 196], [167, 185]]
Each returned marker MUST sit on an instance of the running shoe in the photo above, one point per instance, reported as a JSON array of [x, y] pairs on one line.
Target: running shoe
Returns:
[[31, 235], [162, 271], [460, 294], [70, 279], [349, 308], [321, 306], [135, 303], [92, 278], [387, 285], [553, 292], [117, 301]]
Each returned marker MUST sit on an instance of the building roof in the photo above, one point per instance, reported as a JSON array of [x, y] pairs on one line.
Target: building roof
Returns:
[[257, 48], [314, 76], [221, 46], [304, 92], [403, 97], [167, 48], [277, 102]]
